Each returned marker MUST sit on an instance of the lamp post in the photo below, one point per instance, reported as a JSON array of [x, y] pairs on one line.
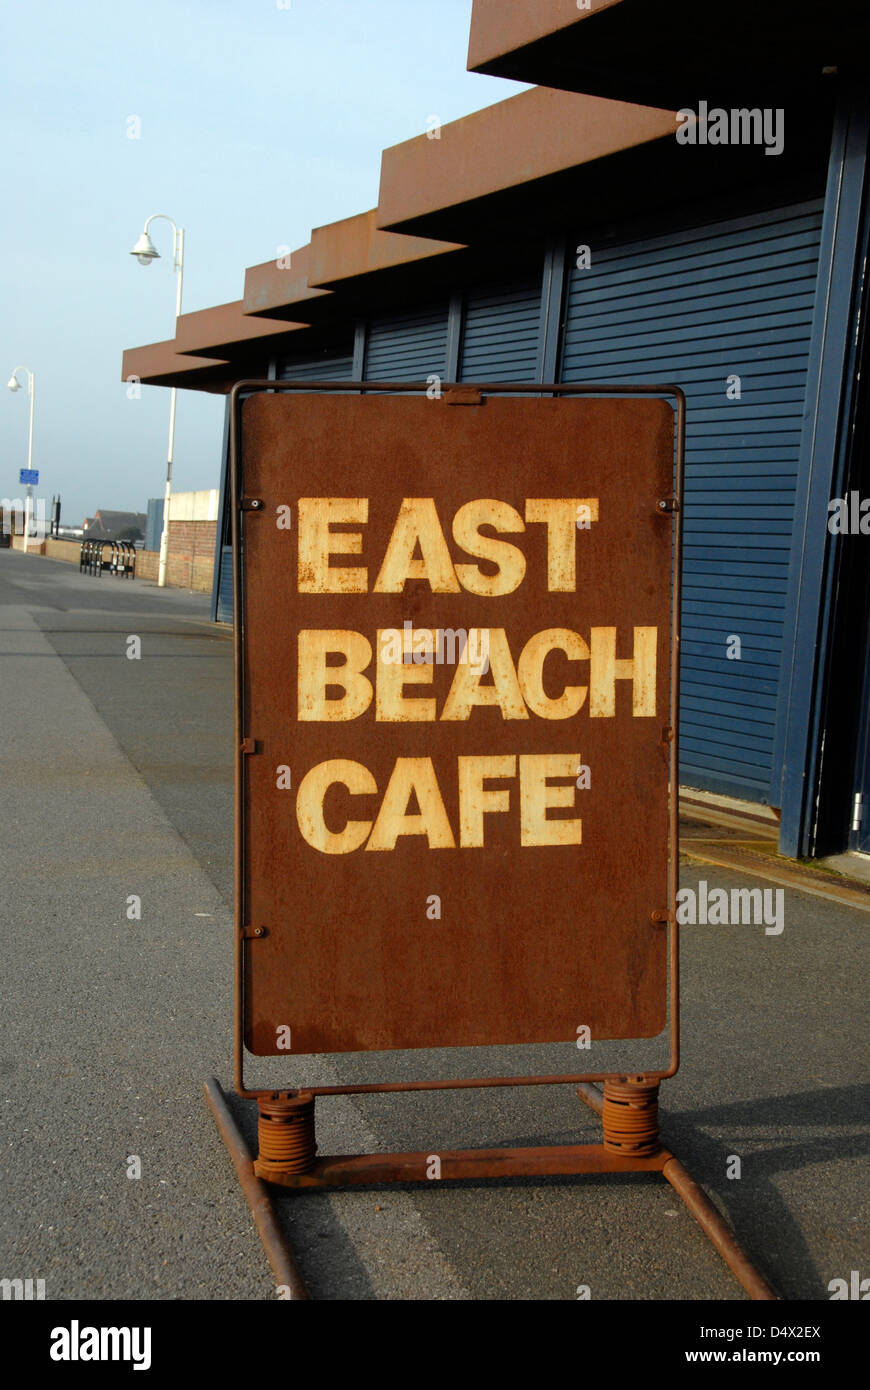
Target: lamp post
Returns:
[[15, 385], [145, 252]]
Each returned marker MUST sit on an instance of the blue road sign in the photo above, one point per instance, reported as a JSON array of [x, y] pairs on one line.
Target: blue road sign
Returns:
[[29, 475]]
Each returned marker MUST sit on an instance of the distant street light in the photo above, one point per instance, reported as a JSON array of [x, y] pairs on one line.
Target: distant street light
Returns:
[[15, 385], [145, 252]]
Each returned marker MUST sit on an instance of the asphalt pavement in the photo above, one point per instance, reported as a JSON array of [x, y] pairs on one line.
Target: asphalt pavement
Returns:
[[116, 783]]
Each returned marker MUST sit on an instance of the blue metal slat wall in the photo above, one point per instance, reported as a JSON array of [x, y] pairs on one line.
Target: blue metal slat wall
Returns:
[[407, 347], [499, 342], [693, 308], [154, 523], [224, 612], [501, 326], [501, 332], [329, 367]]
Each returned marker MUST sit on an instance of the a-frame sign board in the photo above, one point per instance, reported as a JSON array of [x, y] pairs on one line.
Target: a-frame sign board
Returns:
[[457, 648]]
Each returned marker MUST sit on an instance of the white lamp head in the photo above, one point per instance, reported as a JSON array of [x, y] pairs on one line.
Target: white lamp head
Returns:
[[14, 384], [145, 251]]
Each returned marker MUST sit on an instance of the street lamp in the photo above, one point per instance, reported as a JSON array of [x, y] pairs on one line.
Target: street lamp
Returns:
[[145, 252], [15, 385]]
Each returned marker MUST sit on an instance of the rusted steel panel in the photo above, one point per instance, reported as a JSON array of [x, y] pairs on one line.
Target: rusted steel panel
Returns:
[[225, 329], [498, 29], [354, 246], [159, 364], [527, 139], [281, 283], [535, 939]]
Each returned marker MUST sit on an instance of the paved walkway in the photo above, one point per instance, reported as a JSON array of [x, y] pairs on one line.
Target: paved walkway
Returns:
[[116, 782]]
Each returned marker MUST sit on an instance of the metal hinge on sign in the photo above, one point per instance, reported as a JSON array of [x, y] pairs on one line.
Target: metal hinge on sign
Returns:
[[251, 504], [858, 811], [667, 734], [248, 745], [463, 395], [668, 504], [659, 916], [250, 933]]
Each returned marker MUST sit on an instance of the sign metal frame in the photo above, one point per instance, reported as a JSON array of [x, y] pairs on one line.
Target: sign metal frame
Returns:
[[671, 505]]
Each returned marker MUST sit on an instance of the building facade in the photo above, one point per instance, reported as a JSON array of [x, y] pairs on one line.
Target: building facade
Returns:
[[569, 235]]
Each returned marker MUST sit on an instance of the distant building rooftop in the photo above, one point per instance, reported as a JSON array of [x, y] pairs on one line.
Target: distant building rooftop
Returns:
[[115, 525]]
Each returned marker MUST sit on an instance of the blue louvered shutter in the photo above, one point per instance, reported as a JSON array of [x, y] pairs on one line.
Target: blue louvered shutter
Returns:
[[408, 346], [691, 308], [225, 586], [500, 332], [329, 367]]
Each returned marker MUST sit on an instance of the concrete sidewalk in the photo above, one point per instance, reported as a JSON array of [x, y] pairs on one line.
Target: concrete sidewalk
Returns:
[[117, 782]]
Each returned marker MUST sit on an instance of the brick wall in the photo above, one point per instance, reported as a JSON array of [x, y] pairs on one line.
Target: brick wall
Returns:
[[191, 555], [190, 562], [63, 550], [146, 564], [34, 547]]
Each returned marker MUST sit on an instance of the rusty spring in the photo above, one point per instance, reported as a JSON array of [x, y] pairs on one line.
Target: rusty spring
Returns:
[[630, 1116], [286, 1131]]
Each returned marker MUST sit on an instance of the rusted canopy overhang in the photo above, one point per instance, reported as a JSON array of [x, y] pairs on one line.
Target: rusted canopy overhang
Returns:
[[345, 253], [282, 289], [548, 160], [669, 54], [160, 364], [503, 34], [513, 161], [225, 331]]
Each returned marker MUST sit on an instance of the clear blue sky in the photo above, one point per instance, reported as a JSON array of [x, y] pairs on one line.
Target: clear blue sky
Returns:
[[257, 124]]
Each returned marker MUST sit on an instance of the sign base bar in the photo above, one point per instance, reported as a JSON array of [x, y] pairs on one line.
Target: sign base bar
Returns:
[[699, 1204], [628, 1111], [256, 1194], [353, 1170]]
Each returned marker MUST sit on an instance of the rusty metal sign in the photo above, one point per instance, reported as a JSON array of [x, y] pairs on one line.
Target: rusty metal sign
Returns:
[[456, 665]]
